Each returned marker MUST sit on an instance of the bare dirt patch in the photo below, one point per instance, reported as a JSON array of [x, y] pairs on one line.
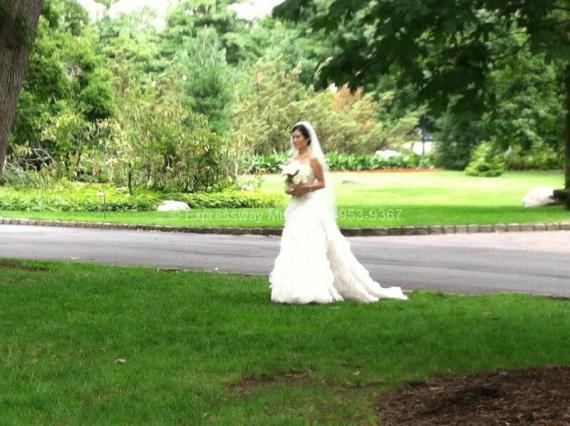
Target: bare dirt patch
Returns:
[[300, 377], [250, 383], [532, 396]]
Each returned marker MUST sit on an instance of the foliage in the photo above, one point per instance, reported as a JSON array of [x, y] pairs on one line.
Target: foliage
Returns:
[[444, 49], [189, 17], [159, 144], [66, 15], [270, 163], [266, 163], [525, 117], [66, 196], [459, 133], [270, 100], [205, 79], [68, 115], [486, 161], [228, 199], [151, 143], [63, 195], [131, 41], [522, 112], [67, 86], [545, 158], [267, 103], [106, 3], [296, 45], [195, 105], [441, 48], [342, 161], [372, 200], [350, 123]]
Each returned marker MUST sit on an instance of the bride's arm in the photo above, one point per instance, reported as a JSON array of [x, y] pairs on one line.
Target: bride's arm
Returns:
[[319, 182]]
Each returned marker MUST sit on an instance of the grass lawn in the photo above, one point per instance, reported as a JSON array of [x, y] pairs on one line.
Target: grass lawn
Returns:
[[375, 200], [90, 344]]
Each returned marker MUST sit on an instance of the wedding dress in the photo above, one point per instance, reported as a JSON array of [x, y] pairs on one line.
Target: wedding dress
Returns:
[[315, 262]]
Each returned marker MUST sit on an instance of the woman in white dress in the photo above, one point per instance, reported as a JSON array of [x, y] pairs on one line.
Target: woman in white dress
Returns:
[[315, 262]]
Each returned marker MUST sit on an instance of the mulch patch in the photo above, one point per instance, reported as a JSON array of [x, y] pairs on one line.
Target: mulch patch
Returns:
[[531, 396], [11, 264]]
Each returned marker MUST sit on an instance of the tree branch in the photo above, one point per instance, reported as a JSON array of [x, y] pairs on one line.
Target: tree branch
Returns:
[[513, 52]]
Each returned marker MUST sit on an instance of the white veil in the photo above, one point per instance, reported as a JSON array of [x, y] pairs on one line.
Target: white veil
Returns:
[[316, 148]]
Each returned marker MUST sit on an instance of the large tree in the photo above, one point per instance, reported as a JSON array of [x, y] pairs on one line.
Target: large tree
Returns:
[[67, 89], [445, 49], [18, 23], [188, 17]]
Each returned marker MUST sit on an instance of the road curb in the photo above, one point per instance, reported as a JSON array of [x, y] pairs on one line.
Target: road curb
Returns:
[[349, 232]]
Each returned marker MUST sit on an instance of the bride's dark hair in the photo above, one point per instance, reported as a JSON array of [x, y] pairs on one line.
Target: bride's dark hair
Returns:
[[304, 131]]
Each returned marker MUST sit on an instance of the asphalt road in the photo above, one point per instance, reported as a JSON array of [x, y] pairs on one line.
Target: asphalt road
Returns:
[[529, 262]]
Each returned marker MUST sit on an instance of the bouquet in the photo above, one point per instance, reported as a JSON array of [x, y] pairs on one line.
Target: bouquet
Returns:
[[293, 175]]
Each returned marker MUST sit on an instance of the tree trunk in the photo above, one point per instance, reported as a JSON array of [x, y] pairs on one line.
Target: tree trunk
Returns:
[[15, 43], [567, 147]]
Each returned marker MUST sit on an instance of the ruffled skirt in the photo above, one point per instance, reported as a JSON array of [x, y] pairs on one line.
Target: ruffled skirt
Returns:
[[315, 262]]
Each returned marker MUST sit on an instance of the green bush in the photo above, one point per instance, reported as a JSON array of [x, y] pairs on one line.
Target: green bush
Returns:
[[271, 91], [545, 158], [486, 161], [73, 197], [269, 163], [459, 133], [228, 199]]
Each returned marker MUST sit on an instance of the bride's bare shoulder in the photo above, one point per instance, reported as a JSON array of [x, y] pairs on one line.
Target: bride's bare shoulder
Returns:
[[313, 157], [314, 160]]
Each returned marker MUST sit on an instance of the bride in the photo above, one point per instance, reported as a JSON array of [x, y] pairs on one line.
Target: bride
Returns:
[[315, 262]]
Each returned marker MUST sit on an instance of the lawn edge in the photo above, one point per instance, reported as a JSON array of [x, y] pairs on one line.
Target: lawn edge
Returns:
[[349, 232]]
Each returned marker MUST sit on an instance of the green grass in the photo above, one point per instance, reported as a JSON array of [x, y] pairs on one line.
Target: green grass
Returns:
[[375, 200], [187, 337]]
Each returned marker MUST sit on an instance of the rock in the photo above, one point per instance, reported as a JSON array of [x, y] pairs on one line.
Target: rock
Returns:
[[172, 206], [416, 147], [539, 196], [387, 153]]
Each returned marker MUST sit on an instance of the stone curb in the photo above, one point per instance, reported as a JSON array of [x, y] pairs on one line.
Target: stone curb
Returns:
[[349, 232]]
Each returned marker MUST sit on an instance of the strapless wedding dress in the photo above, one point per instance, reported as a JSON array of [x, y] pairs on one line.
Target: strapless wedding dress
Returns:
[[315, 262]]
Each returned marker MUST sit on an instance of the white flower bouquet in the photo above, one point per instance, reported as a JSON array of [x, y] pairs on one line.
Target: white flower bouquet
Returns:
[[293, 175]]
